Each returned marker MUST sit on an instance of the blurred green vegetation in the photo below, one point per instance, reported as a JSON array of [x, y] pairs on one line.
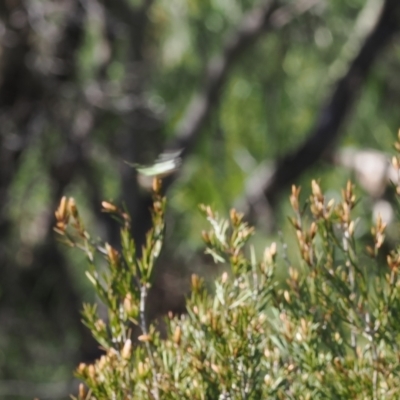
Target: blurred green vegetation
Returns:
[[269, 103]]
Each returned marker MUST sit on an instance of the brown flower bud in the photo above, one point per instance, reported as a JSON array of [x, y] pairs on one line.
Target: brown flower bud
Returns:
[[128, 305], [127, 349], [112, 254], [144, 338], [82, 391], [195, 282], [286, 295], [177, 335], [156, 185], [316, 190], [62, 208], [100, 325], [205, 236], [81, 368], [72, 207], [108, 207]]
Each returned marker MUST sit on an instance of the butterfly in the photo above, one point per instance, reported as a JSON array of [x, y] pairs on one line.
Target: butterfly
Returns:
[[166, 164]]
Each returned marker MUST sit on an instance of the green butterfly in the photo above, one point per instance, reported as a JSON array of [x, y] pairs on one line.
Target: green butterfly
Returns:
[[166, 164]]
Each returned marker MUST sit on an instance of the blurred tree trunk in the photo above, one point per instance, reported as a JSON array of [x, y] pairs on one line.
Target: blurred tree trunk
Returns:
[[26, 94]]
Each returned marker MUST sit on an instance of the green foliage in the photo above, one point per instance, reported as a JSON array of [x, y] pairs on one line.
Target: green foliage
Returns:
[[331, 331], [69, 136]]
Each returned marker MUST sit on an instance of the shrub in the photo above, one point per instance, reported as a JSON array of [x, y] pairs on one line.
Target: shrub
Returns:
[[331, 331]]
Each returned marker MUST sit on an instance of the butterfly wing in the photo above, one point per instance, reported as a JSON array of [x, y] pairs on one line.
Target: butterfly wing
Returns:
[[166, 164]]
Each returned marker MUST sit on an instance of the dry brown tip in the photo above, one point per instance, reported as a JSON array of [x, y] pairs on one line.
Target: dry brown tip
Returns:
[[108, 207]]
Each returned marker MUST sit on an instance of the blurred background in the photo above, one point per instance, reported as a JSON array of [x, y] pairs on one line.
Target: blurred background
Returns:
[[256, 95]]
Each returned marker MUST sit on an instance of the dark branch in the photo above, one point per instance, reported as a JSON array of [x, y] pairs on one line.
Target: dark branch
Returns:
[[24, 93], [199, 109], [338, 106], [250, 29]]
